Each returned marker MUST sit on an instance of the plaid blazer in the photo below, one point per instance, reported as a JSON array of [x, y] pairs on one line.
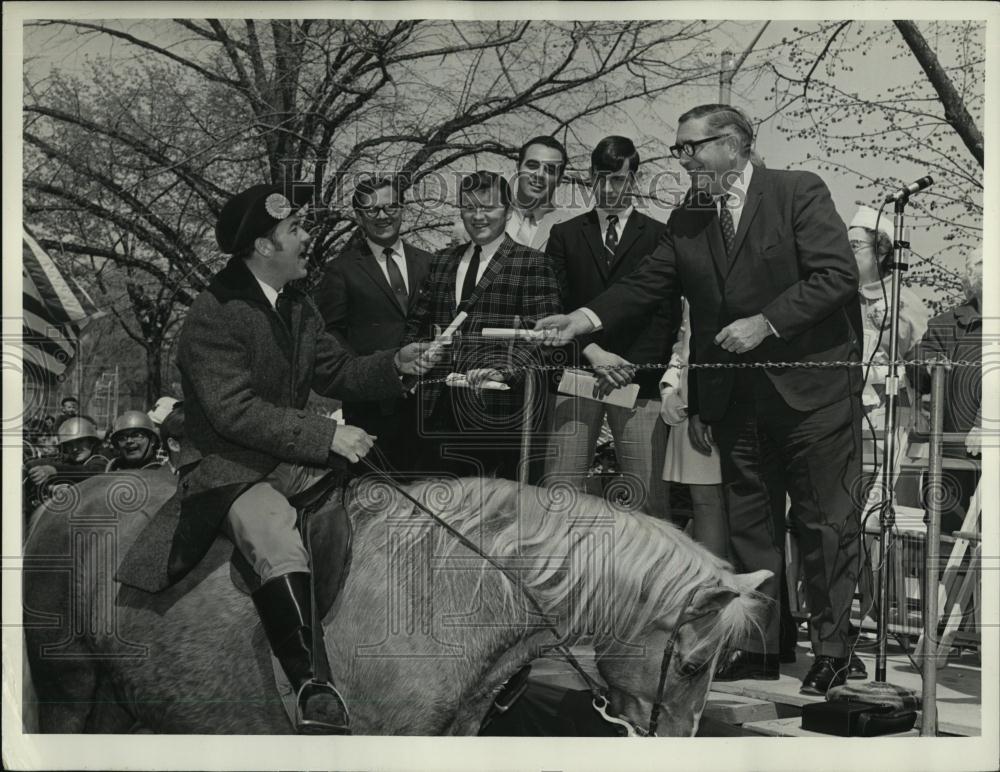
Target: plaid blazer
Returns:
[[519, 281]]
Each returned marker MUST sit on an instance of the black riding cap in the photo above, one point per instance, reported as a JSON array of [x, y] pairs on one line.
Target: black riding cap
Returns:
[[256, 210]]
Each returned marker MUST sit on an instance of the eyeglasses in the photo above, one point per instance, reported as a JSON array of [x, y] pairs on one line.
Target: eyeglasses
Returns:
[[126, 436], [690, 148], [390, 210], [468, 209]]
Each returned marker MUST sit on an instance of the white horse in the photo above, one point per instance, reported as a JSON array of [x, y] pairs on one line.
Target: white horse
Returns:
[[423, 635]]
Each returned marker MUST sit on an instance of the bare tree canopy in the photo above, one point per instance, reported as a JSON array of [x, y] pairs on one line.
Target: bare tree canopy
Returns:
[[129, 157]]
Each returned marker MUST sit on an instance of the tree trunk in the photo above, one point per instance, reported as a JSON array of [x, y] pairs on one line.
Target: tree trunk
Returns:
[[955, 111], [154, 372]]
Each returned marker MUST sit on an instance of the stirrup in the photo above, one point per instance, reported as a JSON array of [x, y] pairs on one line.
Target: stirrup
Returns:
[[312, 726]]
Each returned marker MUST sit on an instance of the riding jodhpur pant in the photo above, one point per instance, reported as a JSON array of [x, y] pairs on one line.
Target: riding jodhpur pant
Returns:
[[261, 522]]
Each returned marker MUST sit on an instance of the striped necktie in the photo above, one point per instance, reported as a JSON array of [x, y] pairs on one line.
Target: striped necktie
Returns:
[[611, 237], [726, 221]]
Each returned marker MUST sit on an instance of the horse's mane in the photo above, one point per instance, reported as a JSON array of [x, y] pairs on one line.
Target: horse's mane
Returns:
[[609, 573]]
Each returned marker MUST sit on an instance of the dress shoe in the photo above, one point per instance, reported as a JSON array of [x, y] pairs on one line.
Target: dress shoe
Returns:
[[856, 669], [748, 664], [825, 672]]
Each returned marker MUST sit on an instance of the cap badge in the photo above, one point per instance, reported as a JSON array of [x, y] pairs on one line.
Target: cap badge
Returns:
[[278, 206]]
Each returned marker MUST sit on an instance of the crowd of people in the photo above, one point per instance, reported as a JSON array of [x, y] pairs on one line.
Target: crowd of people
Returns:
[[755, 266], [78, 449]]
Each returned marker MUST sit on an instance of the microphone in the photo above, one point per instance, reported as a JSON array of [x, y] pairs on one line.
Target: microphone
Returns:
[[914, 187]]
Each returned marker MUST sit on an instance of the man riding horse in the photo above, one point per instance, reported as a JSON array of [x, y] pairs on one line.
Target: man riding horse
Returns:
[[250, 350]]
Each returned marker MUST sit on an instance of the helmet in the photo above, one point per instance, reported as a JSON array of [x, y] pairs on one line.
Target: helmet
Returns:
[[77, 429], [134, 419]]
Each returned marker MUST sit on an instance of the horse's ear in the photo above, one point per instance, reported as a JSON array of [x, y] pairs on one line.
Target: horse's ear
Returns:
[[754, 580], [711, 599]]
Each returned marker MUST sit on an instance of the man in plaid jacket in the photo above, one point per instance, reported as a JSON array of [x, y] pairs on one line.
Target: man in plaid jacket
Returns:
[[494, 280]]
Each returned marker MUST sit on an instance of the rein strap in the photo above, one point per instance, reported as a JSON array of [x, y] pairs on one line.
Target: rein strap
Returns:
[[563, 650]]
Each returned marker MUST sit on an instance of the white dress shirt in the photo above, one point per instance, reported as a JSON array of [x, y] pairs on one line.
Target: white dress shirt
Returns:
[[269, 292], [489, 250], [531, 228], [398, 257]]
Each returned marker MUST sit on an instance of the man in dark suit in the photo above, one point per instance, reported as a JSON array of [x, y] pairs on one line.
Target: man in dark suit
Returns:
[[765, 263], [364, 297], [589, 253], [251, 349], [493, 279]]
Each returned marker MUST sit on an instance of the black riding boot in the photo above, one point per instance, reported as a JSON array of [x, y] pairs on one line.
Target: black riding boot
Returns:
[[283, 604]]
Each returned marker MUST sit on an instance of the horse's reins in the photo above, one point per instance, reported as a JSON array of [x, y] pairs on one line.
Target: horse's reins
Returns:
[[599, 700]]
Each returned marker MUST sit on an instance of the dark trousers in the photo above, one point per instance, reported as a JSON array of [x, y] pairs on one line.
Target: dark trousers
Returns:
[[395, 425], [768, 448], [458, 441]]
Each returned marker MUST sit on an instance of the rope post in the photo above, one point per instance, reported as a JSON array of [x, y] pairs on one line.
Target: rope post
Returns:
[[928, 727], [528, 420]]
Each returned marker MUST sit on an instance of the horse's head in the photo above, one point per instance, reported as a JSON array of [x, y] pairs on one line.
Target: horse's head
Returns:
[[686, 645]]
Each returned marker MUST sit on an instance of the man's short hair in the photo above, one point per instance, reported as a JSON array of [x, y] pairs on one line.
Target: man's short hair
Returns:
[[173, 425], [547, 141], [722, 117], [484, 180], [64, 400], [367, 188], [611, 152]]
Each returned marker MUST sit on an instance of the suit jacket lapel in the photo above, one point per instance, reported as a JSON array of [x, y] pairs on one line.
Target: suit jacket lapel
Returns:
[[449, 277], [370, 266], [750, 206], [412, 272], [592, 233], [632, 230], [716, 245]]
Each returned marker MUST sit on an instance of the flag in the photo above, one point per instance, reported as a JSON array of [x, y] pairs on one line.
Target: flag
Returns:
[[56, 309]]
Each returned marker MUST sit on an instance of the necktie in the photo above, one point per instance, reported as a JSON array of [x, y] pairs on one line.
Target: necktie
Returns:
[[470, 275], [283, 305], [726, 221], [395, 278], [611, 237]]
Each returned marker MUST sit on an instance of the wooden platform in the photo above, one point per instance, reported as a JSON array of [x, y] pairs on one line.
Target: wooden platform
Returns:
[[773, 708]]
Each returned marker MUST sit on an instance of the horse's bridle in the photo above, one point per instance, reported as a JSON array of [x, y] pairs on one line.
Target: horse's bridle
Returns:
[[599, 700]]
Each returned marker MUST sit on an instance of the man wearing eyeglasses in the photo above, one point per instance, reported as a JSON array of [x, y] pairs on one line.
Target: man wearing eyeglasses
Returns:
[[765, 263], [364, 295]]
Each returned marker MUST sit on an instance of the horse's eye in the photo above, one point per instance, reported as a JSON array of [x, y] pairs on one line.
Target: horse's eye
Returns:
[[689, 669]]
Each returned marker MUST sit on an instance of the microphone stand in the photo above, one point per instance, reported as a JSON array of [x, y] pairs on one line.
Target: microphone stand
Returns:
[[878, 690], [887, 516]]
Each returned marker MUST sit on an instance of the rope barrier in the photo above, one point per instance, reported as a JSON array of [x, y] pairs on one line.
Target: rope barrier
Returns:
[[948, 363]]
